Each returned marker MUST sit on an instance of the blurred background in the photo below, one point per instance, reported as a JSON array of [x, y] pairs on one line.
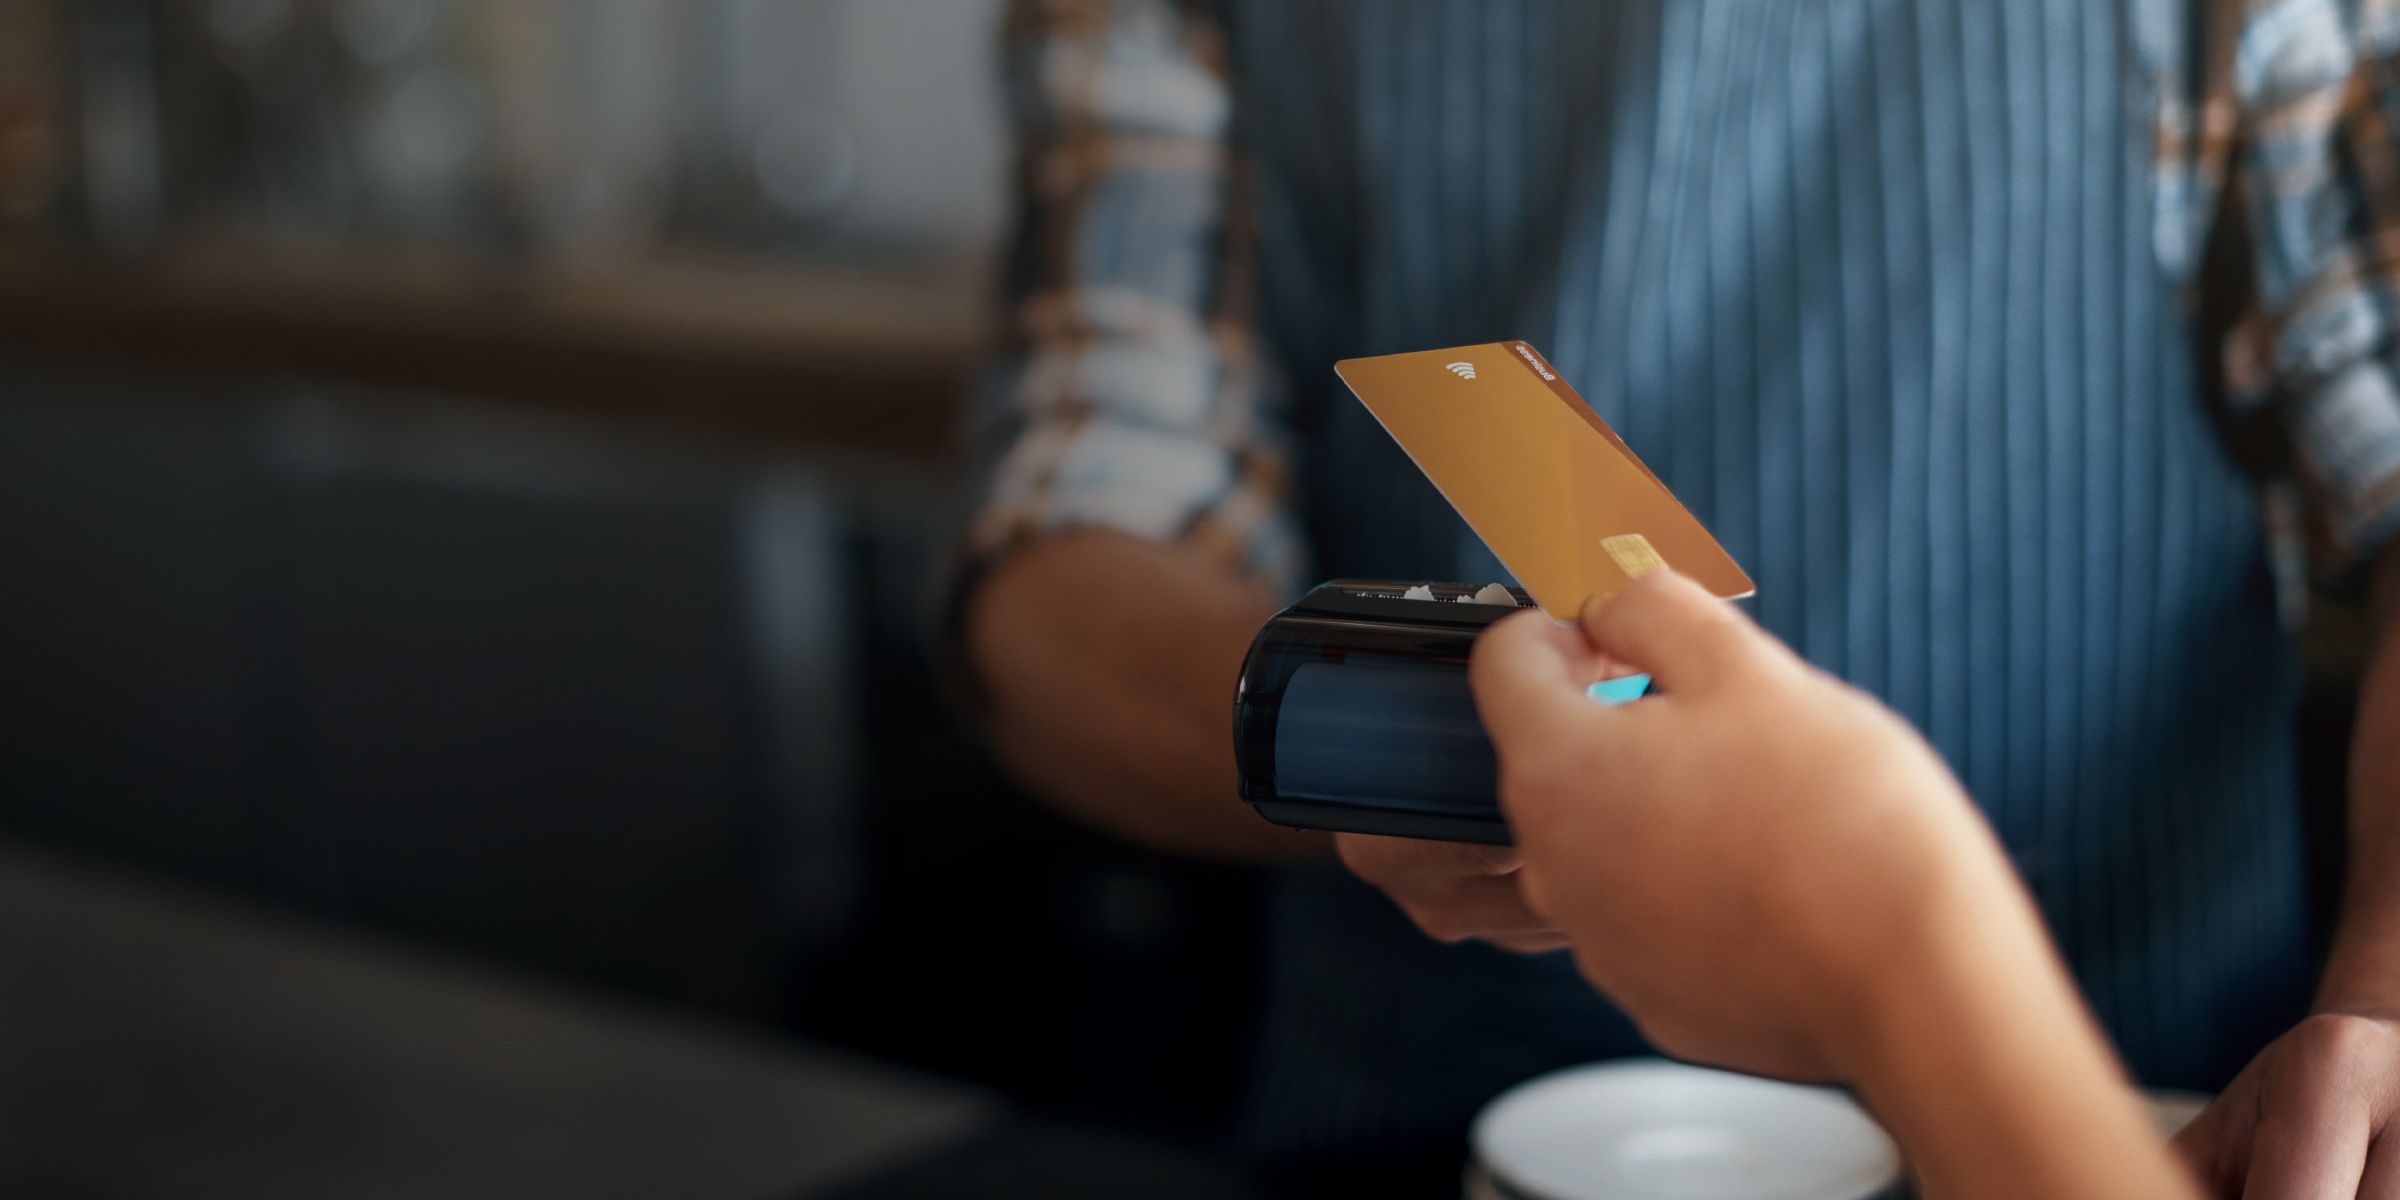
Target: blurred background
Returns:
[[473, 478]]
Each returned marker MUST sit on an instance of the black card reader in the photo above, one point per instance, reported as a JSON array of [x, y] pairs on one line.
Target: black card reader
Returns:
[[1353, 713]]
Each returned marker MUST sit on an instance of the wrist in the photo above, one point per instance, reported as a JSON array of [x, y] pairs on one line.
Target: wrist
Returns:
[[2362, 964], [1955, 949], [1939, 903], [1975, 1050], [2362, 970]]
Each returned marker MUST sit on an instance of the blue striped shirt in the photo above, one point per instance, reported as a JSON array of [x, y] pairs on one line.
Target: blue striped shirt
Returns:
[[1897, 295]]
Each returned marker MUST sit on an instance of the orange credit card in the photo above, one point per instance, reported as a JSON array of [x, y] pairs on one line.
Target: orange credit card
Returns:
[[1561, 499]]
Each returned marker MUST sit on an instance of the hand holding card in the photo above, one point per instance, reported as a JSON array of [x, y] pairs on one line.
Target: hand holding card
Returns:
[[1352, 713]]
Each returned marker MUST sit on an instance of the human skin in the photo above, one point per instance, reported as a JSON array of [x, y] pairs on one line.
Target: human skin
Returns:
[[2314, 1116], [1110, 663], [1779, 876]]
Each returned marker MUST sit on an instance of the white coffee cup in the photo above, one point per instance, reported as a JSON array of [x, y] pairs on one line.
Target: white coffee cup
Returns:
[[1645, 1129]]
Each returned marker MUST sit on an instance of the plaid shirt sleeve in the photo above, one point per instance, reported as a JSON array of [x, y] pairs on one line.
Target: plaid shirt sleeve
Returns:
[[1131, 395], [2307, 97]]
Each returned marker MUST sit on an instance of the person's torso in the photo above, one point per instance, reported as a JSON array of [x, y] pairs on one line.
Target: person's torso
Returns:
[[1873, 285]]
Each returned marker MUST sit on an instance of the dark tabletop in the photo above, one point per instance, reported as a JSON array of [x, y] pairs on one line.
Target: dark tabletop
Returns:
[[158, 1042]]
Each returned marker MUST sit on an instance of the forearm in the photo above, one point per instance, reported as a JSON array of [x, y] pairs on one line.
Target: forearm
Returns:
[[1983, 1062], [1110, 663], [2363, 972]]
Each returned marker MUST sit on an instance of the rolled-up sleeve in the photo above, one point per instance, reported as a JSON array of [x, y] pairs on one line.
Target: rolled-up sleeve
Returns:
[[1131, 395], [2316, 84]]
